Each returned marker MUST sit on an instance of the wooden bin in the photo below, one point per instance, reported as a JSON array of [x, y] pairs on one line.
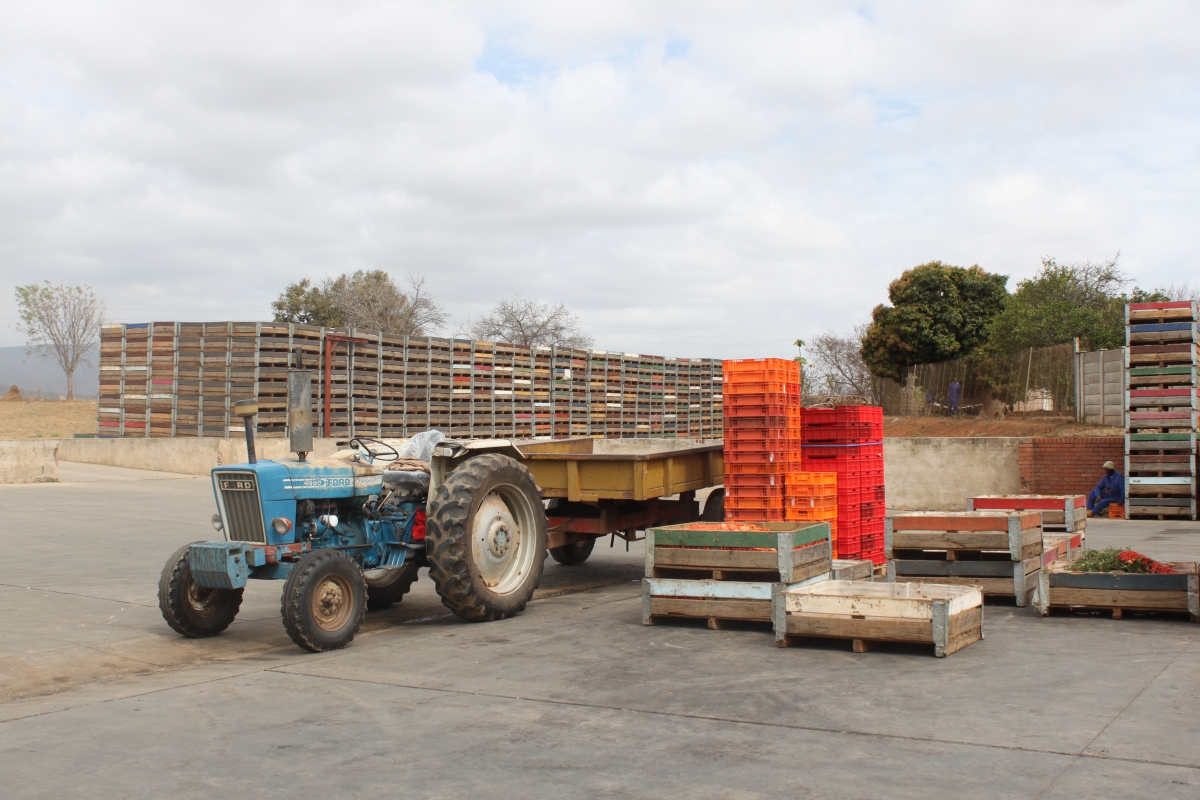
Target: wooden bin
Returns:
[[788, 552], [1000, 552], [1121, 591], [714, 600], [948, 617], [729, 575], [852, 569], [1060, 512]]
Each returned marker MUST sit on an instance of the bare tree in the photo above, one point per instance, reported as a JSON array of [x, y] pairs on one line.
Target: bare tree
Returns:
[[835, 367], [1180, 292], [60, 321], [530, 323], [372, 300]]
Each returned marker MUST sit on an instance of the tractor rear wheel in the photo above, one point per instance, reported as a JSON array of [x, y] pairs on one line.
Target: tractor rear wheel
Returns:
[[392, 590], [486, 538], [575, 553], [192, 610], [324, 599]]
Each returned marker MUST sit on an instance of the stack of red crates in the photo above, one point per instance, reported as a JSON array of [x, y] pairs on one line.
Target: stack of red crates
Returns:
[[762, 436], [848, 440]]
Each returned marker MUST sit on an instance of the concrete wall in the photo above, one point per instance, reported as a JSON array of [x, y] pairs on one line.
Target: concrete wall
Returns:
[[940, 473], [190, 456], [28, 460]]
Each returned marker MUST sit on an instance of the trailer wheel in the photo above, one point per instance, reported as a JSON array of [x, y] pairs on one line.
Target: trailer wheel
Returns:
[[576, 553], [486, 538], [192, 610], [324, 599], [714, 506], [385, 595]]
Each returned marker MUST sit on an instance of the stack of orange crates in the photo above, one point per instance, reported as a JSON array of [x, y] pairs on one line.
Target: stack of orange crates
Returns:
[[813, 496], [762, 437]]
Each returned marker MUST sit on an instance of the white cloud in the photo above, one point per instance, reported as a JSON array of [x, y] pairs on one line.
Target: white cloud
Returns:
[[695, 178]]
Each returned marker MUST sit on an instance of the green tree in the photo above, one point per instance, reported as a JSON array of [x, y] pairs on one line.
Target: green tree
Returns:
[[306, 304], [938, 312], [1062, 302]]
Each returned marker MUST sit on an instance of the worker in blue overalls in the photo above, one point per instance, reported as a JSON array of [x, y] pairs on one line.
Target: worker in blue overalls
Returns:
[[1110, 489]]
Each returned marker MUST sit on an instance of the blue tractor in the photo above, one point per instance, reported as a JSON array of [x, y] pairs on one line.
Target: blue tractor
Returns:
[[348, 533]]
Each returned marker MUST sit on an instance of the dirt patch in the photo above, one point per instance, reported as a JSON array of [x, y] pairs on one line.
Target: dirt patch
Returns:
[[46, 419], [1037, 426]]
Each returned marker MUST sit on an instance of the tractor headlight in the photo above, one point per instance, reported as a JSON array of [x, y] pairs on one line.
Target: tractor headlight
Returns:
[[330, 520], [216, 522], [282, 525]]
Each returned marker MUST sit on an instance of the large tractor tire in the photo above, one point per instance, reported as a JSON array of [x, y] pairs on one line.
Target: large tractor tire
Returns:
[[486, 538], [392, 590], [576, 553], [714, 506], [192, 610], [324, 599]]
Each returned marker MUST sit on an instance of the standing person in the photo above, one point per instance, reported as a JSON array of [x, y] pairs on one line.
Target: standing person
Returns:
[[955, 397], [1110, 489]]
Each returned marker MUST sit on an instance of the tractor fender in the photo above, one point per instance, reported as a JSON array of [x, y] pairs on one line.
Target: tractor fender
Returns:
[[449, 454]]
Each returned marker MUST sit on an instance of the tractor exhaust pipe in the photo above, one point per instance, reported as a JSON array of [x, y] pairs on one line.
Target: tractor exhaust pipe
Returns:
[[246, 409]]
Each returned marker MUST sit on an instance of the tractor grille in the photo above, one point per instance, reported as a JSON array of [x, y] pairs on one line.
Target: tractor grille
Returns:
[[243, 511]]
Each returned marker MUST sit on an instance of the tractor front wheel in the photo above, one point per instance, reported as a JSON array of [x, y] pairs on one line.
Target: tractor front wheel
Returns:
[[486, 538], [192, 610], [324, 599]]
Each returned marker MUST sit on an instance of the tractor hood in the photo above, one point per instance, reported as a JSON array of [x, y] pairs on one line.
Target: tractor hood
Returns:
[[314, 479]]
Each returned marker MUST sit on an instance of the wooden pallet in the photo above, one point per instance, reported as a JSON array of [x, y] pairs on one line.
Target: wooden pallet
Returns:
[[948, 617], [1121, 591]]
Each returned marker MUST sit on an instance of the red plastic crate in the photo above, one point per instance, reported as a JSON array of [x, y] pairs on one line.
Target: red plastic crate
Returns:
[[841, 462], [860, 480], [842, 432], [858, 512]]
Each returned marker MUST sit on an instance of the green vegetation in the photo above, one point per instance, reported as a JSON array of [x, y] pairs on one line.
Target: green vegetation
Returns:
[[938, 312]]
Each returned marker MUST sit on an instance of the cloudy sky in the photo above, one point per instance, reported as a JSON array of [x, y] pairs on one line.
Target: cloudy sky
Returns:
[[693, 178]]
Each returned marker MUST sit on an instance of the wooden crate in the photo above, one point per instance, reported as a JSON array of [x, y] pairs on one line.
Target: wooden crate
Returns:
[[1000, 552], [1068, 546], [1060, 512], [714, 600], [1017, 533], [948, 617], [844, 569], [787, 553], [1120, 591]]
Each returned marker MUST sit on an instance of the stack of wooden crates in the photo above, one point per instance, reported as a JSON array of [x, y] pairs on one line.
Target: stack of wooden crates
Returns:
[[1162, 409]]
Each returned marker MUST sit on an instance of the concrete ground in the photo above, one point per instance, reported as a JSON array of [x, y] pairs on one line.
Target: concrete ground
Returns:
[[573, 698]]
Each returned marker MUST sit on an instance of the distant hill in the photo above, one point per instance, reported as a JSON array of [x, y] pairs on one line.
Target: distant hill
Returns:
[[42, 377]]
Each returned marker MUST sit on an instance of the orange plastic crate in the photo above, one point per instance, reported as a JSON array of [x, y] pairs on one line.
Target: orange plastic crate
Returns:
[[811, 503], [778, 468], [814, 479], [753, 514], [737, 501]]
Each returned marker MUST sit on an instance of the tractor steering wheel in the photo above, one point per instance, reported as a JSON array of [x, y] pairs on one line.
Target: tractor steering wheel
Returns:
[[360, 443]]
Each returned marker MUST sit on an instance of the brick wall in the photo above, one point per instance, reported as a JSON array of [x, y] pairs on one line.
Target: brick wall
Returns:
[[1067, 465]]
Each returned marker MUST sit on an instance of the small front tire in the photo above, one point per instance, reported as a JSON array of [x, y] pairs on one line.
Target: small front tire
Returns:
[[324, 599], [192, 610]]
